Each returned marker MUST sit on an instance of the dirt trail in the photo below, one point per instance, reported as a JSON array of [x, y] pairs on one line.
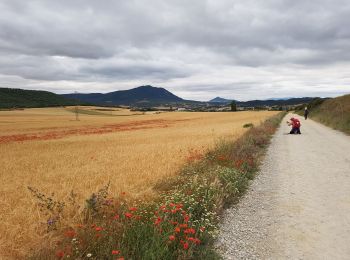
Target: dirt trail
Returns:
[[298, 207]]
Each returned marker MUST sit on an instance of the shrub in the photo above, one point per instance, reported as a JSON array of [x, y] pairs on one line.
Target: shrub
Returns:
[[248, 125]]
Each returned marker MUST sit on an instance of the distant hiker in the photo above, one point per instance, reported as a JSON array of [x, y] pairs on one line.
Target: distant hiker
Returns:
[[295, 123], [306, 113]]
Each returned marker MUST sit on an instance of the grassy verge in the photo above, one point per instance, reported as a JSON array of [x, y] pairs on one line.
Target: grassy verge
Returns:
[[333, 112], [181, 224]]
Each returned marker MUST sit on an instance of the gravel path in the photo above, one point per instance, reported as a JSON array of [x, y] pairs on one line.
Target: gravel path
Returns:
[[298, 207]]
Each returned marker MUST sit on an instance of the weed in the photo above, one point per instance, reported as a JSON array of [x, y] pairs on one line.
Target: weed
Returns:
[[50, 207]]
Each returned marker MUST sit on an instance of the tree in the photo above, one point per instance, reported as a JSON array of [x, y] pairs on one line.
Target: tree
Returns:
[[233, 106]]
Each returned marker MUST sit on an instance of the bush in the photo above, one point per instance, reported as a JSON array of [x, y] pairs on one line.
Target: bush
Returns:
[[248, 125]]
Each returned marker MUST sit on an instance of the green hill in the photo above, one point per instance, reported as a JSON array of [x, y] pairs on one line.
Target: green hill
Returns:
[[333, 112], [19, 98], [144, 95]]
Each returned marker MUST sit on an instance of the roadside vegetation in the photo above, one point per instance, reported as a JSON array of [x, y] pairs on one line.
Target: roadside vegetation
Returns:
[[181, 223], [333, 112]]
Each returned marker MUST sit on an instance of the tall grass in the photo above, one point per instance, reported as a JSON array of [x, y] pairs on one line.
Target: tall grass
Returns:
[[182, 222]]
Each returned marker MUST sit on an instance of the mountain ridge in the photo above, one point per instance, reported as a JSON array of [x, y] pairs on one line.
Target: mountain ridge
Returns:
[[220, 100], [142, 94]]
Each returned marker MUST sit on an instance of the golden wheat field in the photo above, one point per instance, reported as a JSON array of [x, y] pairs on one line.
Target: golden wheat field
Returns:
[[48, 149]]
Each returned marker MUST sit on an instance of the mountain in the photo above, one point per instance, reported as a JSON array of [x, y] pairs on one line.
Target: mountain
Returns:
[[20, 98], [144, 96], [219, 100], [283, 98], [141, 95]]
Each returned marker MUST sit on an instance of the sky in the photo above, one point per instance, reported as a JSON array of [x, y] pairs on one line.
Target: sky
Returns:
[[198, 49]]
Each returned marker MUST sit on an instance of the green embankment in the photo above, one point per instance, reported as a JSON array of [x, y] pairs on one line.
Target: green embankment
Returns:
[[333, 112]]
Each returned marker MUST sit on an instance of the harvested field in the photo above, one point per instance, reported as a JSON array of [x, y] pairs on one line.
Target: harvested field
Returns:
[[49, 150]]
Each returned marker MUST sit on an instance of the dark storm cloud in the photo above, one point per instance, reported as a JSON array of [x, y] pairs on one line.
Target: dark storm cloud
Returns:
[[213, 46]]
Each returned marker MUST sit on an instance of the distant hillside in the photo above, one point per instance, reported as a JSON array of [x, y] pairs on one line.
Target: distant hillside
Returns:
[[220, 100], [140, 95], [262, 103], [274, 102], [333, 112], [20, 98]]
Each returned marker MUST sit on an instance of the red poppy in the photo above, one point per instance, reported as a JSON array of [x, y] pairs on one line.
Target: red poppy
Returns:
[[185, 245], [177, 229], [158, 221], [98, 228], [133, 209], [128, 215], [186, 218], [194, 240], [123, 193], [173, 211], [120, 258], [115, 252], [116, 217], [190, 231], [183, 225], [179, 206], [172, 238], [60, 254]]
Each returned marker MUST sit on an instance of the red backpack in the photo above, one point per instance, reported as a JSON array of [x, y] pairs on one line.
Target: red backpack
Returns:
[[296, 123]]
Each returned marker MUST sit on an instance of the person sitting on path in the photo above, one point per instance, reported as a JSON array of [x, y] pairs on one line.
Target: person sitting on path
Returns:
[[295, 123]]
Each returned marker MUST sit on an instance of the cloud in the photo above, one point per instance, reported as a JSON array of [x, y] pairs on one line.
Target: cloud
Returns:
[[197, 49]]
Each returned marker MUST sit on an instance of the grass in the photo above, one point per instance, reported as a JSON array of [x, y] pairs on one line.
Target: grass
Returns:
[[133, 160], [333, 112], [182, 222]]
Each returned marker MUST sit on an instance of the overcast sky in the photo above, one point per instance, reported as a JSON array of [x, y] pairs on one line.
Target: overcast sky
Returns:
[[246, 49]]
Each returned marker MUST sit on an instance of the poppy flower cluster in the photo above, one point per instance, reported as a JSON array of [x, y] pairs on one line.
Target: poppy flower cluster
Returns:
[[171, 220], [183, 233]]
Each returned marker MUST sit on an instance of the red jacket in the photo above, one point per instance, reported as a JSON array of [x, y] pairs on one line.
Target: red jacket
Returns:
[[295, 122]]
